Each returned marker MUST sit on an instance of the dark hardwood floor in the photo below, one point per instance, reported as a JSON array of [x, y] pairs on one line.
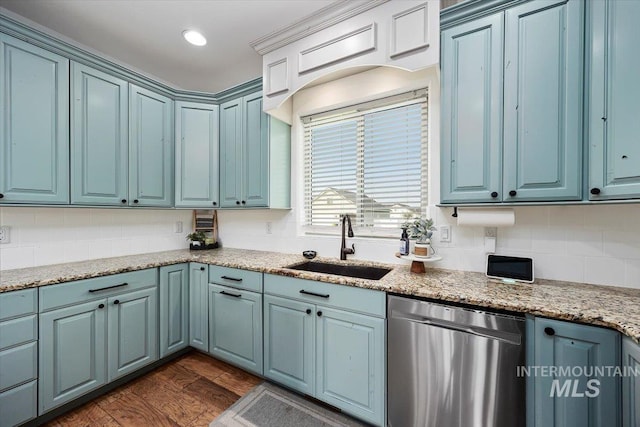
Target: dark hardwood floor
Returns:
[[189, 391]]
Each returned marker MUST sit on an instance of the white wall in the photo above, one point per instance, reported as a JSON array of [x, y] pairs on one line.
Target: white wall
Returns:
[[42, 236]]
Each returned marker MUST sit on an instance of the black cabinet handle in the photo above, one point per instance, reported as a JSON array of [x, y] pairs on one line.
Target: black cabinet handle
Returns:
[[123, 201], [237, 202], [494, 194], [116, 302], [319, 314], [314, 294], [215, 203], [595, 191], [101, 306], [244, 203], [231, 278], [512, 193], [135, 201], [230, 294], [108, 287], [201, 268], [549, 331], [308, 311], [1, 196]]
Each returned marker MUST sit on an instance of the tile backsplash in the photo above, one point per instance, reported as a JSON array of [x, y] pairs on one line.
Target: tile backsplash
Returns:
[[42, 236]]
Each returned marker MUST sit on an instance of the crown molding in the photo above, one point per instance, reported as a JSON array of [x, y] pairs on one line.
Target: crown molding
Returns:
[[330, 15]]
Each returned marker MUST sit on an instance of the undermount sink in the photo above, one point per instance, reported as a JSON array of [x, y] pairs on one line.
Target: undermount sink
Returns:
[[359, 271]]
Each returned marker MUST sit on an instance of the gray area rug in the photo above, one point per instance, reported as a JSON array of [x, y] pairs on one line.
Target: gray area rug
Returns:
[[268, 405]]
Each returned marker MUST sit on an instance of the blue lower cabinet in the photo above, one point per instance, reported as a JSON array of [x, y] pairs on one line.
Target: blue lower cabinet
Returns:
[[574, 393], [289, 343], [174, 308], [18, 405], [235, 327], [351, 363], [133, 331], [630, 384], [73, 346], [198, 306]]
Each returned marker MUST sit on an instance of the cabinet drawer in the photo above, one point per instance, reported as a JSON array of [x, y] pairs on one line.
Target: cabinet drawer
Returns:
[[18, 303], [18, 404], [18, 365], [236, 278], [100, 287], [346, 297], [18, 331]]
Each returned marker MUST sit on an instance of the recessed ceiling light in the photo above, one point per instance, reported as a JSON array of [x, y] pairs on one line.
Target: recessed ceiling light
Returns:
[[194, 37]]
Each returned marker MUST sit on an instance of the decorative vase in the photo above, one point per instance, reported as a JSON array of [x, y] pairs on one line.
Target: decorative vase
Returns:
[[422, 248]]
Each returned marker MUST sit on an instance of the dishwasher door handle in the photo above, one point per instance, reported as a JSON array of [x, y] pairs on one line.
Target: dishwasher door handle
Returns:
[[507, 337]]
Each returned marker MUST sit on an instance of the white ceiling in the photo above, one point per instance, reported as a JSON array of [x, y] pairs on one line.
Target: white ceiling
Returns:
[[147, 34]]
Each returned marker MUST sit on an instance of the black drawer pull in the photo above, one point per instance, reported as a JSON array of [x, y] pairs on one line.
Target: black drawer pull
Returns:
[[237, 202], [319, 314], [231, 278], [201, 268], [1, 196], [116, 302], [101, 306], [215, 203], [513, 193], [494, 194], [595, 191], [135, 201], [230, 294], [108, 287], [314, 294], [308, 311], [549, 331], [123, 201]]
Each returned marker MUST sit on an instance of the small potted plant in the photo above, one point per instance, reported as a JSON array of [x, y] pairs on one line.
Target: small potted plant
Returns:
[[197, 239], [421, 230]]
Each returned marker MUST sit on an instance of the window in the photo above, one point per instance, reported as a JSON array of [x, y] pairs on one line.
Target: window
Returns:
[[368, 161]]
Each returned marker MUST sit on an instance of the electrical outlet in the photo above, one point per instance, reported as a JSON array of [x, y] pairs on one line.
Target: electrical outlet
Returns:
[[445, 233], [5, 236], [491, 232], [269, 228], [178, 226]]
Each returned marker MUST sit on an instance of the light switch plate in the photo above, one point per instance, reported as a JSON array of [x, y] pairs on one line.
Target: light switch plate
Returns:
[[5, 236], [445, 233]]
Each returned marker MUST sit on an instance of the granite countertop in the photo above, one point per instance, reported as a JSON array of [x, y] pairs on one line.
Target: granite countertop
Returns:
[[613, 307]]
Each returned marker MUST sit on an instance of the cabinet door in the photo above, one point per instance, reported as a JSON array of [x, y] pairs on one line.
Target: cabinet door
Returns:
[[99, 147], [174, 308], [235, 326], [543, 101], [133, 331], [198, 310], [472, 111], [72, 353], [289, 343], [613, 106], [34, 89], [630, 384], [567, 401], [231, 154], [255, 168], [196, 155], [150, 148], [351, 363]]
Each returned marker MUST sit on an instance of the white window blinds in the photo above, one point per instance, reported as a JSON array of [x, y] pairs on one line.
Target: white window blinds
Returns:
[[368, 161]]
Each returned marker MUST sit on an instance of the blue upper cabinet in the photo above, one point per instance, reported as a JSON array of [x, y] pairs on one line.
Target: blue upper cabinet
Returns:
[[150, 148], [196, 165], [543, 101], [34, 89], [613, 105], [231, 153], [471, 150], [255, 156], [255, 171], [99, 148], [512, 105]]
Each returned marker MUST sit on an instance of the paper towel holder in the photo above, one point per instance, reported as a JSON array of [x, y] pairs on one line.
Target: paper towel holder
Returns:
[[455, 212]]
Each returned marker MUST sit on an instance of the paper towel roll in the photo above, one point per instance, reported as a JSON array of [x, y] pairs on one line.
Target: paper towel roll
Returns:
[[472, 217]]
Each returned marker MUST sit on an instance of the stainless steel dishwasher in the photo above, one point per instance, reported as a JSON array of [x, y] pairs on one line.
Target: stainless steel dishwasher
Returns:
[[453, 366]]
